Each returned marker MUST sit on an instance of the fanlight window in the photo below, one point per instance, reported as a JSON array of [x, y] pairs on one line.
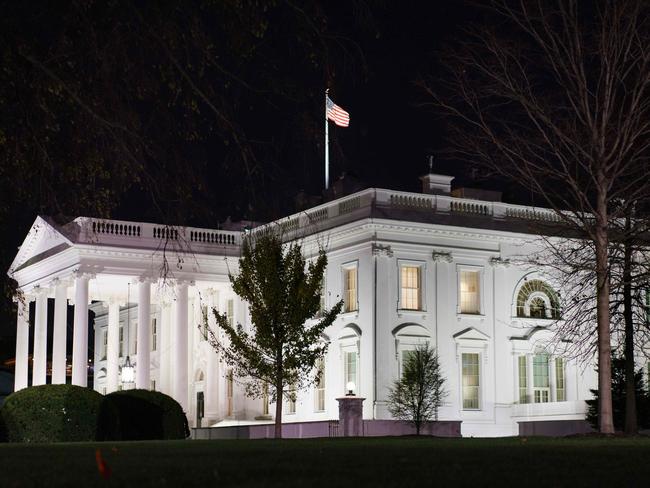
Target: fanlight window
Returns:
[[536, 299]]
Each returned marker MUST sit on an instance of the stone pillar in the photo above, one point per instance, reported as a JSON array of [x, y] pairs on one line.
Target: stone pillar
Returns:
[[165, 348], [143, 365], [180, 346], [212, 373], [351, 416], [80, 332], [39, 366], [113, 346], [59, 356], [22, 346]]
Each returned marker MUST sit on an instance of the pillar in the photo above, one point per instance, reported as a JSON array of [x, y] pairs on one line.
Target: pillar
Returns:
[[59, 355], [113, 346], [80, 332], [180, 346], [22, 346], [39, 366], [351, 416], [165, 348], [143, 364], [212, 373]]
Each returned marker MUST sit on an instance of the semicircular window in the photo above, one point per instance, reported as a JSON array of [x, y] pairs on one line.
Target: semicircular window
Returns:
[[537, 300]]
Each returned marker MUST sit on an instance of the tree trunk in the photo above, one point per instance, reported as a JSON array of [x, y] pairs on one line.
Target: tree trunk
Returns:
[[630, 386], [278, 408], [605, 417]]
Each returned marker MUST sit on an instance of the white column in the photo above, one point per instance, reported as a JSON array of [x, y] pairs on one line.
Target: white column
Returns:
[[180, 346], [59, 333], [39, 367], [143, 365], [80, 333], [165, 347], [212, 373], [113, 346], [22, 346]]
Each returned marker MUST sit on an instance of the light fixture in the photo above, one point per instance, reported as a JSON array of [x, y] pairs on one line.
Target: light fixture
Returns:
[[128, 369], [350, 387]]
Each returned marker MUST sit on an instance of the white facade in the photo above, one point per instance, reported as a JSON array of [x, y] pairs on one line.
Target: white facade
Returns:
[[413, 268]]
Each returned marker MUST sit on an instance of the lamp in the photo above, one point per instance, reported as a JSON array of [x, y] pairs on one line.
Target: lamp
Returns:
[[128, 369], [350, 387]]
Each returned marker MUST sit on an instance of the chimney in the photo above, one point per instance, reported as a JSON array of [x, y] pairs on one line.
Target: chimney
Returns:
[[436, 184]]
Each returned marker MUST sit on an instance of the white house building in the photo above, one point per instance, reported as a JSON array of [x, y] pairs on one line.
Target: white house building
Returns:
[[413, 268]]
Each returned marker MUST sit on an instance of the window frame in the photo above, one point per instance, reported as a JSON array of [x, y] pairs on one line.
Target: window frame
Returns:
[[479, 387], [421, 267], [480, 270], [320, 387], [345, 267]]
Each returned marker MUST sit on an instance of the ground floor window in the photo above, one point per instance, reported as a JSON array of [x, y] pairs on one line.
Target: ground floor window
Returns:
[[350, 374], [319, 387], [471, 380], [546, 382]]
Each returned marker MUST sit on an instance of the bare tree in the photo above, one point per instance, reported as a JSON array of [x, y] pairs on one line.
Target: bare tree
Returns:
[[554, 95]]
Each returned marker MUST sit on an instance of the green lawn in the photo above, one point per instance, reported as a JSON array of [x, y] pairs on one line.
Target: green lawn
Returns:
[[332, 463]]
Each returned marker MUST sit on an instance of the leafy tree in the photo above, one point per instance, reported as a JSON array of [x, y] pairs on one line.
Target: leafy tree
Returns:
[[279, 351], [418, 394], [619, 398]]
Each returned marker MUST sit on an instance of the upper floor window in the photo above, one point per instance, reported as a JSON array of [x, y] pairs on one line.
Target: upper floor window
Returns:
[[410, 287], [154, 334], [230, 312], [350, 288], [537, 300], [470, 291]]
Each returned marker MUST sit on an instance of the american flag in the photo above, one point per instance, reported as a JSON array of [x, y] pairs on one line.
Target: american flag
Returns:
[[336, 114]]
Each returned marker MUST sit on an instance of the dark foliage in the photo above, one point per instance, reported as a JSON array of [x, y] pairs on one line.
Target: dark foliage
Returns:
[[141, 415], [51, 413], [618, 398]]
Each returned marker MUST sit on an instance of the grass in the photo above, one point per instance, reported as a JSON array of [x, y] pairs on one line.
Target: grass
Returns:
[[376, 462]]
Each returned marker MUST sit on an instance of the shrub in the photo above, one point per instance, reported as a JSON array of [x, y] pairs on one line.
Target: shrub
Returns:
[[141, 415], [51, 413]]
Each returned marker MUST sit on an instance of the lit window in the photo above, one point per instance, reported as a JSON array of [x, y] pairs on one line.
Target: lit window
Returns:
[[470, 302], [154, 334], [350, 289], [541, 389], [410, 292], [319, 387], [523, 379], [471, 381]]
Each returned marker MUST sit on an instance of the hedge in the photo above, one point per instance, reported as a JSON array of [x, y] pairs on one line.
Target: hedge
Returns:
[[141, 415], [50, 413]]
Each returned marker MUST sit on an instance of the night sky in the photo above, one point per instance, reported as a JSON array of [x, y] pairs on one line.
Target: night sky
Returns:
[[71, 84]]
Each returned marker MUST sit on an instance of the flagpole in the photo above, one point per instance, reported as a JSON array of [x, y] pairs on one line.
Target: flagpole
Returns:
[[327, 146]]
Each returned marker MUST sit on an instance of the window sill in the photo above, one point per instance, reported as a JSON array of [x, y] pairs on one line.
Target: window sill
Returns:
[[474, 316], [354, 314]]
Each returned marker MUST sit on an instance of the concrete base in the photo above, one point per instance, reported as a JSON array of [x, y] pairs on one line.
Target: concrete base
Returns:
[[350, 416], [554, 428]]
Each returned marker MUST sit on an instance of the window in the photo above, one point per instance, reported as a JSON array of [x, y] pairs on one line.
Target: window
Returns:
[[350, 289], [560, 392], [204, 323], [350, 369], [471, 381], [153, 385], [541, 388], [291, 401], [410, 287], [319, 387], [104, 343], [265, 399], [229, 392], [470, 301], [121, 340], [537, 300], [154, 334], [135, 338], [406, 354], [230, 312], [523, 379]]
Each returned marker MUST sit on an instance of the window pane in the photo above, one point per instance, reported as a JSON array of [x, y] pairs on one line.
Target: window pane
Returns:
[[350, 291], [469, 292], [320, 386], [471, 380], [560, 393], [230, 312], [523, 380], [410, 288], [541, 378]]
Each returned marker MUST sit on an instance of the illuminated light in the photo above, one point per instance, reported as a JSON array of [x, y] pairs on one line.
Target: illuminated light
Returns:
[[350, 387]]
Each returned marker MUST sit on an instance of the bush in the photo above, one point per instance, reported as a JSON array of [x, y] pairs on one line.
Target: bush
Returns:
[[51, 413], [141, 415]]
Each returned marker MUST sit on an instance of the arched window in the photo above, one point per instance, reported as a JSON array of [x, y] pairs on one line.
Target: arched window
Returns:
[[349, 342], [407, 338], [537, 300]]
